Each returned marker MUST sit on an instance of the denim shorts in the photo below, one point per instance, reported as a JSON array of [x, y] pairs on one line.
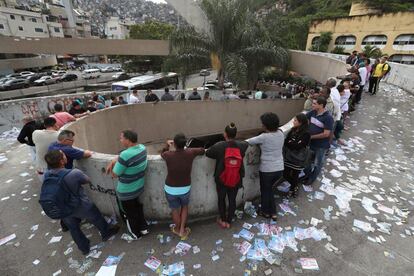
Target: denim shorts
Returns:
[[177, 201]]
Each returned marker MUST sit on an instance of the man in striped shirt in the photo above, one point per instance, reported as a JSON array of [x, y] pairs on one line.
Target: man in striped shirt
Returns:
[[130, 168]]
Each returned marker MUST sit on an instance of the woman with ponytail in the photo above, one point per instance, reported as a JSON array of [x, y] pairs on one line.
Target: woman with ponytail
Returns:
[[228, 173]]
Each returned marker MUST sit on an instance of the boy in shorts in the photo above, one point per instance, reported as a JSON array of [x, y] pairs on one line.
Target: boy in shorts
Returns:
[[178, 183]]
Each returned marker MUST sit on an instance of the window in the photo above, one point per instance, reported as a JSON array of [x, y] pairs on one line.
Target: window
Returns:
[[404, 59], [374, 40], [12, 16], [345, 40], [57, 29], [22, 17], [1, 26], [315, 40], [20, 28], [34, 20], [38, 30], [112, 28], [406, 39]]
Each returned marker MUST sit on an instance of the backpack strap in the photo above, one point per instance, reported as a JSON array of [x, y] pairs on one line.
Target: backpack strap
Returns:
[[61, 175]]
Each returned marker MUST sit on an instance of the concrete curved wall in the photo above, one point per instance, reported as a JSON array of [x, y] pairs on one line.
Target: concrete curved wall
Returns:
[[316, 66], [157, 122]]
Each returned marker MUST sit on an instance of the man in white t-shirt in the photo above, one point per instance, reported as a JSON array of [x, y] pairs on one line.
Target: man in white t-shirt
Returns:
[[133, 98], [42, 140], [336, 99], [362, 69]]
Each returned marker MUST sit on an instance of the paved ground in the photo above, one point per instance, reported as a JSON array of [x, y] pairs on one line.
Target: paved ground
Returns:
[[376, 164]]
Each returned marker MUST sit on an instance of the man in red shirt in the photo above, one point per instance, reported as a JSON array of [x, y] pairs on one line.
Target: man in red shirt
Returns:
[[62, 117], [178, 183]]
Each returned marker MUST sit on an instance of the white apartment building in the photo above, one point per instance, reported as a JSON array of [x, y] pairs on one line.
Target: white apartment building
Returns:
[[117, 28], [15, 22]]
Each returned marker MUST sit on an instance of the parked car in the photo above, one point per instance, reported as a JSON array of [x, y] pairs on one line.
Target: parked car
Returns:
[[107, 69], [121, 76], [45, 80], [215, 82], [68, 77], [33, 78], [14, 75], [58, 73], [25, 74], [14, 84], [204, 73]]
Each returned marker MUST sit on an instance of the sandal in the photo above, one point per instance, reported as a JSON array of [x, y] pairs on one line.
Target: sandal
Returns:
[[186, 234], [294, 192], [172, 228], [221, 223], [264, 215]]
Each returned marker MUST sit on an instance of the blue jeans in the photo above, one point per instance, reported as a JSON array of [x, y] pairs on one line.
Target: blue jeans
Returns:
[[318, 163], [94, 216], [267, 179]]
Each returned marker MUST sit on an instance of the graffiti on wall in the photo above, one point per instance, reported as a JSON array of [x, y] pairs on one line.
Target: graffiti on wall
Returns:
[[30, 109], [253, 156], [101, 189], [65, 102]]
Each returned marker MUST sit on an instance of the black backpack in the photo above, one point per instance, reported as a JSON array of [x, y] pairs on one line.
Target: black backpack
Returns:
[[56, 199]]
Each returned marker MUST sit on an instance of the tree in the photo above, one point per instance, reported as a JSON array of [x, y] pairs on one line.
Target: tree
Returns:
[[372, 52], [148, 30], [338, 50], [151, 30], [238, 46], [322, 43], [389, 5]]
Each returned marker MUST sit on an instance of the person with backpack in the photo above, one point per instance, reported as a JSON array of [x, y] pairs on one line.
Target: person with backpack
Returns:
[[228, 173], [380, 70], [271, 161], [178, 182], [63, 197]]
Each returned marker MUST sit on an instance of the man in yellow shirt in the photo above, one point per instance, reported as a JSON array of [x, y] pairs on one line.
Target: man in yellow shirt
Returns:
[[377, 73]]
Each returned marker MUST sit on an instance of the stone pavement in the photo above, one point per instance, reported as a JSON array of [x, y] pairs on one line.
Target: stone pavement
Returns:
[[362, 206]]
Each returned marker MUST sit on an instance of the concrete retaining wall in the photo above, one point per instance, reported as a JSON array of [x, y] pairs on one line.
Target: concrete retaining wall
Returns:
[[316, 66], [401, 75], [13, 111], [155, 123]]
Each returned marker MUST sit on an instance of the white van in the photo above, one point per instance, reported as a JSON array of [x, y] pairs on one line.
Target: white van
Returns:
[[91, 74]]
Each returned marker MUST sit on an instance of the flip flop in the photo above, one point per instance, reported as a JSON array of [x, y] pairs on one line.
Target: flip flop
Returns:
[[187, 233], [222, 224], [172, 228]]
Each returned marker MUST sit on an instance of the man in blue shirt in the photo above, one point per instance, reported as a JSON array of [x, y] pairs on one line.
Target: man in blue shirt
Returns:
[[320, 128], [64, 143], [74, 181]]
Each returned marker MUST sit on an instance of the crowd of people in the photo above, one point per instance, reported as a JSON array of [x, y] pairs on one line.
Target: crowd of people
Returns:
[[283, 157]]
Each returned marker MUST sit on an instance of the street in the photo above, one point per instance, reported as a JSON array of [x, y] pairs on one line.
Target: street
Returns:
[[376, 163]]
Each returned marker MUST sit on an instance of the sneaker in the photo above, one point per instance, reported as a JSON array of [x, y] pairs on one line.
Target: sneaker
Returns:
[[128, 237], [86, 252], [63, 226], [145, 232], [111, 232]]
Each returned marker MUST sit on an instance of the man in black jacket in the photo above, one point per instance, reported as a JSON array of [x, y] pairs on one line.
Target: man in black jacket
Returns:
[[25, 135], [151, 97]]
